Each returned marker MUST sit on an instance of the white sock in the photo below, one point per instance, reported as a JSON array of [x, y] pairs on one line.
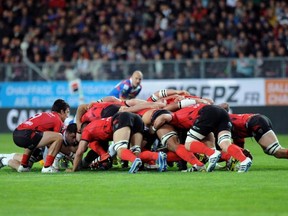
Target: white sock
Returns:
[[10, 156], [5, 161], [4, 155]]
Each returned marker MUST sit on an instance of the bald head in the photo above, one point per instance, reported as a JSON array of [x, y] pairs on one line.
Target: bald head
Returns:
[[136, 77]]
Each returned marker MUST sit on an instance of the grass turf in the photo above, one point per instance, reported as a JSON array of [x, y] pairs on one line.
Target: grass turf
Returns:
[[261, 191]]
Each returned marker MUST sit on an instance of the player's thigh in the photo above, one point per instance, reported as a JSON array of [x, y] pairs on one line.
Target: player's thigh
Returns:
[[48, 138]]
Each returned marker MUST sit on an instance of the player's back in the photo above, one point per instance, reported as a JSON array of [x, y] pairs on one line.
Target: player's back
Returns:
[[99, 129], [239, 122], [100, 110], [185, 117], [45, 121]]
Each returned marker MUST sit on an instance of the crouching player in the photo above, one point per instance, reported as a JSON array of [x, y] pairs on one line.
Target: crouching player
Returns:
[[260, 127], [68, 149], [43, 129]]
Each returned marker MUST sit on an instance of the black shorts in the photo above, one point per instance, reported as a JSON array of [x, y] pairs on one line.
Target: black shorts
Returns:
[[124, 119], [258, 125], [212, 119], [27, 138]]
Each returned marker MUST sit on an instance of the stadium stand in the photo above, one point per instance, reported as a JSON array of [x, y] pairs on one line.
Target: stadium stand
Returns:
[[88, 35]]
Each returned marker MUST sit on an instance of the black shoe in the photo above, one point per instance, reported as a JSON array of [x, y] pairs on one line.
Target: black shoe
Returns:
[[1, 164], [182, 165], [124, 164]]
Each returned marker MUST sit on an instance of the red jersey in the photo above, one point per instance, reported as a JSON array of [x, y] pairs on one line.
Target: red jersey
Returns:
[[94, 112], [45, 121], [98, 130], [239, 122], [185, 117]]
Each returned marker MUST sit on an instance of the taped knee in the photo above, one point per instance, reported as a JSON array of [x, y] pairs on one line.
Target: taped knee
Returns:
[[135, 149], [272, 149], [193, 135], [120, 144], [167, 136], [224, 137]]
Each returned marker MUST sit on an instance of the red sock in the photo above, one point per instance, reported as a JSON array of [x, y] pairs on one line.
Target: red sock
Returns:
[[49, 160], [127, 155], [182, 152], [172, 157], [24, 160], [225, 156], [151, 162], [147, 156], [199, 147], [236, 152]]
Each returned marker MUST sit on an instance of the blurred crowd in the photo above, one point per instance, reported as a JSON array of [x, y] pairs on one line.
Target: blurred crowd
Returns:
[[80, 31]]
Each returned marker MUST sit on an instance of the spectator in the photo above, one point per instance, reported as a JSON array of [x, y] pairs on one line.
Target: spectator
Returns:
[[138, 30], [244, 66]]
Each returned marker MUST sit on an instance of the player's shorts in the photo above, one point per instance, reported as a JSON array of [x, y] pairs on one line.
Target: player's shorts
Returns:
[[258, 125], [27, 138], [124, 119], [212, 119]]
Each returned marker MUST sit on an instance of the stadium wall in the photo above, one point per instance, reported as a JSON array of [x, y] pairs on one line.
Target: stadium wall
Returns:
[[20, 100]]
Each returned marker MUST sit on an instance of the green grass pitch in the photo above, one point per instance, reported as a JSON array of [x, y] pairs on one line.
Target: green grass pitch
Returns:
[[261, 191]]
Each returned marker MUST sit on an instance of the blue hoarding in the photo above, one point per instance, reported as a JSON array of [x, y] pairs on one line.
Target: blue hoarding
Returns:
[[43, 94]]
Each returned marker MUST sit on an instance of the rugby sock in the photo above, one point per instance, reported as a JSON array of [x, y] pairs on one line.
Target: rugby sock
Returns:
[[236, 152], [199, 147], [182, 152], [5, 161], [172, 157], [10, 156], [126, 154], [146, 156], [225, 156], [49, 161], [24, 160]]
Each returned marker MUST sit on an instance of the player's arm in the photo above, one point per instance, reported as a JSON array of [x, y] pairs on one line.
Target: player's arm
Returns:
[[161, 120], [110, 99], [163, 93], [181, 102], [141, 106], [134, 101], [123, 92], [81, 110], [82, 147]]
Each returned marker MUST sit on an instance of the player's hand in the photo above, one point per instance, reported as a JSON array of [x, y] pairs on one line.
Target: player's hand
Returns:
[[178, 98], [69, 170]]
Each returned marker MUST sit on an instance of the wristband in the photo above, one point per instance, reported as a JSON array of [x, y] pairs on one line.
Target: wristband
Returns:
[[163, 93], [186, 102], [154, 97]]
